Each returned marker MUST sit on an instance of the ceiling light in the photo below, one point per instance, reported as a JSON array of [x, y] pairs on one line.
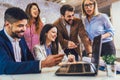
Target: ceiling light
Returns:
[[63, 1]]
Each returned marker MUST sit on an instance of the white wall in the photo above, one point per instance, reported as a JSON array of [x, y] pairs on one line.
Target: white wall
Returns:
[[49, 11], [115, 17]]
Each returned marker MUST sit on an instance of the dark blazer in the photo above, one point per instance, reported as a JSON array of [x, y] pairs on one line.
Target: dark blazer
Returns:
[[76, 29], [7, 60]]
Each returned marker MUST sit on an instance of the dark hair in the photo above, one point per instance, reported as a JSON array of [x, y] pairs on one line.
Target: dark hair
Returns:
[[45, 30], [14, 14], [65, 8], [38, 22]]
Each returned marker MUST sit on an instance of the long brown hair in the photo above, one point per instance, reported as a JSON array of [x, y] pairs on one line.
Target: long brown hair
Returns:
[[43, 38], [38, 22]]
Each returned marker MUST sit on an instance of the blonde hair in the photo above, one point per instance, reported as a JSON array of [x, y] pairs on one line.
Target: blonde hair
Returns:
[[96, 12]]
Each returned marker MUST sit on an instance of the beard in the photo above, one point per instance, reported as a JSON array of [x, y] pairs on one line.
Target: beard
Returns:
[[16, 34], [70, 21]]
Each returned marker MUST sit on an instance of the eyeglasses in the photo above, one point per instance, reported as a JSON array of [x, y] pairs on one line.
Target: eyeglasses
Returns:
[[89, 5]]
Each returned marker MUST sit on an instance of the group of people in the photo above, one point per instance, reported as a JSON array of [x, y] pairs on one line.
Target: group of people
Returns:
[[27, 45]]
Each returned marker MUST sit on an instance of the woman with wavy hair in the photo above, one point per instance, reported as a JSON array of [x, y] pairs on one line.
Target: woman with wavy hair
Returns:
[[34, 25]]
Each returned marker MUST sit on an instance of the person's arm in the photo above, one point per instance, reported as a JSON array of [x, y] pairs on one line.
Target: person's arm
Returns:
[[52, 60], [63, 42], [108, 27], [39, 54], [106, 35], [66, 44], [46, 61], [9, 66], [84, 38]]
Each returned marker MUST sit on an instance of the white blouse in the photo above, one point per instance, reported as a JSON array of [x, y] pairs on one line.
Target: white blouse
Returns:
[[40, 52]]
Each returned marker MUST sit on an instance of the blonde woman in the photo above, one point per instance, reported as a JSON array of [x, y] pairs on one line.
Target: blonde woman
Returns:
[[97, 23]]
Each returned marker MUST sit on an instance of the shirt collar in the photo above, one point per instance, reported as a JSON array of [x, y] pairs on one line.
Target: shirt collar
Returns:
[[93, 18], [10, 38], [64, 22]]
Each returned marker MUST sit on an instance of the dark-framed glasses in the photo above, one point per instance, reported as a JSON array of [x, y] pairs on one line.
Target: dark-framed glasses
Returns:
[[89, 5]]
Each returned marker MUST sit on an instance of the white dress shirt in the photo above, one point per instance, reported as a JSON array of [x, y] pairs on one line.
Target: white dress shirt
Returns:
[[16, 47], [68, 29]]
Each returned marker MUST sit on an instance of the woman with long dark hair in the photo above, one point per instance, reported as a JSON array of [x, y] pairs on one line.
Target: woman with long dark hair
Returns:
[[34, 25], [49, 44]]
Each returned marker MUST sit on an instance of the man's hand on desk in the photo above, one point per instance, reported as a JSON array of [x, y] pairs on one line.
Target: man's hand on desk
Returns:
[[52, 60]]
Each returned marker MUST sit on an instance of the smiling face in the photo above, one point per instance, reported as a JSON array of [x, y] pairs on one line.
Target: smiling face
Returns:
[[89, 7], [17, 29], [68, 17], [34, 11], [51, 35]]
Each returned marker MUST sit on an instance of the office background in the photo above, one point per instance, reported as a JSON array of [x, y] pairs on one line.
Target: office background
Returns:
[[50, 12]]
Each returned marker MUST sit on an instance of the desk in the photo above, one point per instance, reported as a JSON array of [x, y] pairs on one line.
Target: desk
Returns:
[[49, 74], [6, 77]]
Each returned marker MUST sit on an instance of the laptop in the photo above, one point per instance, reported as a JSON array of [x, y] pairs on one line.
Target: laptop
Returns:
[[83, 68]]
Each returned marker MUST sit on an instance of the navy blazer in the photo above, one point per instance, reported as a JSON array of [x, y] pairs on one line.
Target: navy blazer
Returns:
[[8, 65]]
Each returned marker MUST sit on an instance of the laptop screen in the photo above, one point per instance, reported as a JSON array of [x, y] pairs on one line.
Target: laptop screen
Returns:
[[84, 68], [96, 48]]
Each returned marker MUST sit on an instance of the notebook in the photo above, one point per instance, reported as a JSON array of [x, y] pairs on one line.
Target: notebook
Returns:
[[83, 68]]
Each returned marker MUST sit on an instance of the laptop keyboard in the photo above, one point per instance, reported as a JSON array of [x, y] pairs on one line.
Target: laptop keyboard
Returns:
[[87, 67]]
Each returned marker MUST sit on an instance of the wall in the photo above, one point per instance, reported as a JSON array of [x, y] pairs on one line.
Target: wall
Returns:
[[49, 11], [115, 17]]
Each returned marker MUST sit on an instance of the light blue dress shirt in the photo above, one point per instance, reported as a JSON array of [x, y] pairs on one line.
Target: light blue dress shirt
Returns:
[[48, 50], [99, 24]]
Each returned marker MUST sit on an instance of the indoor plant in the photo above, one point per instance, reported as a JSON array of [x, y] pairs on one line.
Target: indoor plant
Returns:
[[109, 59], [110, 64]]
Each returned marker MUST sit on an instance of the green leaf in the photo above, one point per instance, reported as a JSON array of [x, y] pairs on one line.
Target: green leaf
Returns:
[[109, 59]]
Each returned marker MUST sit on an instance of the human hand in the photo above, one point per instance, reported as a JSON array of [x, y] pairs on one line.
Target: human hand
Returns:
[[71, 58], [52, 60], [89, 54], [71, 45]]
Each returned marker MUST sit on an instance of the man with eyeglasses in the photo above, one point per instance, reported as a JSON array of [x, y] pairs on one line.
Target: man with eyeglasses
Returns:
[[69, 27]]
